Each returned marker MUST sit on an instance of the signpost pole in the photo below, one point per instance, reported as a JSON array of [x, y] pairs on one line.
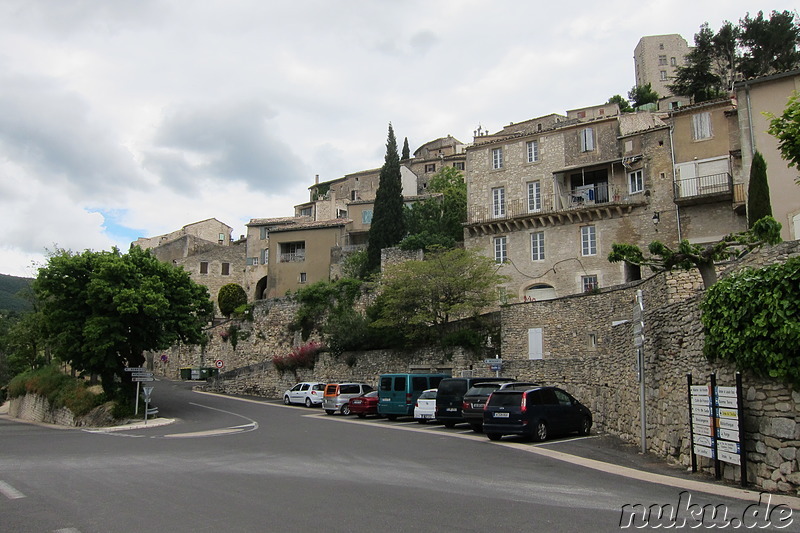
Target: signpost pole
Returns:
[[691, 424], [743, 448], [714, 407], [136, 400]]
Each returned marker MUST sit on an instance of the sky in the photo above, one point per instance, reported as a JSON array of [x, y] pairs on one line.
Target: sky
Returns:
[[121, 120]]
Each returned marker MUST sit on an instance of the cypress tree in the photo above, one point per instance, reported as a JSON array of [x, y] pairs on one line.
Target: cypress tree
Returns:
[[406, 150], [387, 227], [758, 204]]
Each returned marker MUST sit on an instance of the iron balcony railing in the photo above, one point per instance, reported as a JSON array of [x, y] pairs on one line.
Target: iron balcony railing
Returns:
[[293, 257], [549, 203], [700, 186]]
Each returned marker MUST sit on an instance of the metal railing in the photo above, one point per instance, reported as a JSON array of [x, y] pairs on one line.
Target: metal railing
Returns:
[[699, 186], [579, 198], [293, 257]]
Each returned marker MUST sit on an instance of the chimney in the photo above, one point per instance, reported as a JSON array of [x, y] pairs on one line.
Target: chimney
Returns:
[[316, 179]]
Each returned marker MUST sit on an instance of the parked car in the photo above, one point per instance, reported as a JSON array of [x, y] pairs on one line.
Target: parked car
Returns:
[[397, 393], [451, 395], [366, 404], [307, 393], [475, 399], [425, 406], [536, 413], [338, 395]]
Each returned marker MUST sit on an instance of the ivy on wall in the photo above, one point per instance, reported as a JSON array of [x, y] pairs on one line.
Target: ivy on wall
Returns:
[[752, 318]]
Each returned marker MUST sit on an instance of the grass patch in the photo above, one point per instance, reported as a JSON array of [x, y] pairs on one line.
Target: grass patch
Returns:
[[60, 389]]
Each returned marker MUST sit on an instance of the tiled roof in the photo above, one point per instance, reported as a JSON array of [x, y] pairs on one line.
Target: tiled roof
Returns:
[[313, 225], [279, 220], [630, 123]]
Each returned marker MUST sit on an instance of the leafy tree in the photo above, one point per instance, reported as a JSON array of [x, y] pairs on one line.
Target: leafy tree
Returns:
[[786, 129], [752, 318], [387, 227], [687, 256], [230, 297], [725, 54], [697, 79], [770, 45], [640, 95], [320, 300], [447, 284], [406, 150], [758, 204], [438, 221], [624, 105], [354, 265], [102, 310]]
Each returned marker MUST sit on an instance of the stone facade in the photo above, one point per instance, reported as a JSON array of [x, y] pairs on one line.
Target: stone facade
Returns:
[[216, 265], [37, 408]]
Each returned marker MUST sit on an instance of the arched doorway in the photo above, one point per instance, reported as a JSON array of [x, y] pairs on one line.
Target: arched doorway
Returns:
[[261, 288], [540, 291]]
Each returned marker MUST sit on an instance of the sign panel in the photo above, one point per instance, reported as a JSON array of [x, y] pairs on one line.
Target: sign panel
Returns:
[[729, 392], [703, 430], [728, 423], [700, 420], [705, 452], [727, 434], [219, 363], [701, 410], [732, 458], [728, 413], [700, 390], [495, 361], [725, 446], [701, 400], [727, 401], [134, 369], [703, 441], [135, 379]]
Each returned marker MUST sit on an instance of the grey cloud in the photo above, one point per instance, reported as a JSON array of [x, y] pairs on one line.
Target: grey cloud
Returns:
[[422, 41], [232, 143], [49, 132]]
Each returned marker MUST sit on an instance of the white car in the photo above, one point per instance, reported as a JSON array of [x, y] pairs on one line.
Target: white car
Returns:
[[308, 393], [425, 408]]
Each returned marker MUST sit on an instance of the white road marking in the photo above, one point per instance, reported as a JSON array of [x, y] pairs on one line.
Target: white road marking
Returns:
[[10, 492], [67, 530]]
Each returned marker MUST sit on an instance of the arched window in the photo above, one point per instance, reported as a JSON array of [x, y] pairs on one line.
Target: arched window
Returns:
[[540, 291]]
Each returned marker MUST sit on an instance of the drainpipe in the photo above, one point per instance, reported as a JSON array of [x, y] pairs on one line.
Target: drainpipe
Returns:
[[672, 155]]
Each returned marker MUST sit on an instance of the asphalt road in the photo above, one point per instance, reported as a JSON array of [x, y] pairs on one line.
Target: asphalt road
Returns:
[[236, 465]]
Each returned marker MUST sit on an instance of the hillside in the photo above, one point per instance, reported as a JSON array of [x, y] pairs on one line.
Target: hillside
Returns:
[[9, 287]]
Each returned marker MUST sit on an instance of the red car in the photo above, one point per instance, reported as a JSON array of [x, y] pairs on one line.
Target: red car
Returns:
[[366, 404]]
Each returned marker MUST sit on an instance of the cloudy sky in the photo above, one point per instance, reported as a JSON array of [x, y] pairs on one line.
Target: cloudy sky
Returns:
[[125, 119]]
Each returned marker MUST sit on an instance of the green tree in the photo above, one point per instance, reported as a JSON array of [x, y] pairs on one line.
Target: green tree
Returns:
[[687, 255], [697, 79], [448, 284], [752, 318], [231, 297], [769, 44], [758, 204], [624, 105], [102, 310], [406, 150], [438, 221], [640, 95], [387, 228], [786, 129]]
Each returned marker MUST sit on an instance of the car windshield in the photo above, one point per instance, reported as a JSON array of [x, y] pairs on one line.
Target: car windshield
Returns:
[[505, 399], [428, 395], [484, 389]]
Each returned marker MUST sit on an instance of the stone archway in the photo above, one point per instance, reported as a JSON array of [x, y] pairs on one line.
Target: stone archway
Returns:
[[540, 291], [261, 289]]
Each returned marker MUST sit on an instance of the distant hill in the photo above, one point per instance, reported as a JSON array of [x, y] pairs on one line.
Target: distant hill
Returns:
[[9, 287]]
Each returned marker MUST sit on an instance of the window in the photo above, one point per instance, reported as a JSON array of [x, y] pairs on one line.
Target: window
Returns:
[[533, 151], [221, 237], [497, 158], [354, 195], [537, 246], [303, 277], [204, 267], [662, 60], [366, 216], [534, 197], [662, 75], [305, 212], [252, 261], [430, 167], [587, 140], [660, 46], [588, 240], [458, 165], [535, 350], [499, 201], [265, 256], [673, 62], [589, 283], [635, 181], [293, 252], [701, 126], [264, 232], [500, 254], [226, 269]]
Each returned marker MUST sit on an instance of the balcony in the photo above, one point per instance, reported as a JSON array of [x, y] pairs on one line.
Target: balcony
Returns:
[[293, 257], [703, 189], [582, 204]]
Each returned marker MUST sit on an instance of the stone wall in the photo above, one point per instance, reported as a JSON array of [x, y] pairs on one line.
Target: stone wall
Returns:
[[587, 348], [37, 409]]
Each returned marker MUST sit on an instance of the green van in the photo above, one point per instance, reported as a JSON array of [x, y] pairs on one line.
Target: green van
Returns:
[[398, 392]]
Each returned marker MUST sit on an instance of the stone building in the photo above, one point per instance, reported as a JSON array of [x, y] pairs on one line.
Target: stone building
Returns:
[[209, 230], [434, 155], [655, 61], [256, 268], [547, 197], [754, 97]]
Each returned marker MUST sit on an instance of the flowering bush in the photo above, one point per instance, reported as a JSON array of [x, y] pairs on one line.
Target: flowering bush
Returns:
[[304, 356]]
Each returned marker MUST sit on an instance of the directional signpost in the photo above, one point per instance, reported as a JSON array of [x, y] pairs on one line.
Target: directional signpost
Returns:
[[146, 392], [495, 364], [139, 375]]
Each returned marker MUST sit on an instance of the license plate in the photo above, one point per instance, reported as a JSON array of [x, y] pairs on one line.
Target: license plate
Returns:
[[451, 409], [477, 406], [425, 416], [386, 399], [501, 415]]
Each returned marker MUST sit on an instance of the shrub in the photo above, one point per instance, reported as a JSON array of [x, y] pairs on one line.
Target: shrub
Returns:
[[304, 356], [231, 296], [60, 389]]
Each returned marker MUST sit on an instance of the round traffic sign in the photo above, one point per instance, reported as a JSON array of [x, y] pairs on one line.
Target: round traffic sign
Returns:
[[218, 363]]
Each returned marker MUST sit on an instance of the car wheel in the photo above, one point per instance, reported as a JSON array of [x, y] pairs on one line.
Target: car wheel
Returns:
[[329, 411], [286, 400], [308, 402], [586, 426], [541, 431], [362, 415], [345, 409], [494, 436], [449, 425], [477, 428]]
